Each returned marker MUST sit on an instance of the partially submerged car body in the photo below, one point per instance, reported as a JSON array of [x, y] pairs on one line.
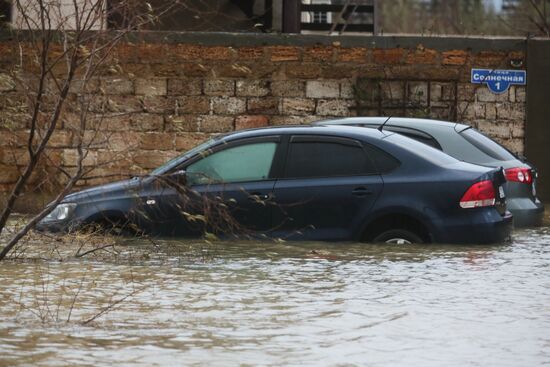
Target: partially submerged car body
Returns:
[[334, 183], [467, 144]]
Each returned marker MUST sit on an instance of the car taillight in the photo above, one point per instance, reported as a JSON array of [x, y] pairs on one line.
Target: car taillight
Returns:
[[519, 174], [479, 195]]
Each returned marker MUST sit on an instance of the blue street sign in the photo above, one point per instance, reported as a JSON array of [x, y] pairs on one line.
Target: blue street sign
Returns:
[[499, 81]]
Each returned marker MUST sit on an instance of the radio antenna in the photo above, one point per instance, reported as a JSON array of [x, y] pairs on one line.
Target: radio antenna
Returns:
[[382, 126]]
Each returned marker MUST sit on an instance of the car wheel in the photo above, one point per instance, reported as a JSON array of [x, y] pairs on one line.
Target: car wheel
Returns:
[[398, 237]]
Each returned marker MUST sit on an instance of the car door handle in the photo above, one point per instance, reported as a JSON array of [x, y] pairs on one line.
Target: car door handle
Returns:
[[361, 191]]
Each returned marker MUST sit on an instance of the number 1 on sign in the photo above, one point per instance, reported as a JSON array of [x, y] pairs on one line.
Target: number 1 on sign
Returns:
[[497, 85]]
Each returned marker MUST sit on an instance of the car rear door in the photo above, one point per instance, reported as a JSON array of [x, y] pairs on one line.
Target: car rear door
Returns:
[[327, 189]]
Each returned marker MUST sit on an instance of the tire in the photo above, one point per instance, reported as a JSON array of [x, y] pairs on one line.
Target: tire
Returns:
[[398, 237]]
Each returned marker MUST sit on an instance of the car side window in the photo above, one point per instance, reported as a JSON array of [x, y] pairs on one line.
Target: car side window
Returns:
[[327, 159], [251, 162]]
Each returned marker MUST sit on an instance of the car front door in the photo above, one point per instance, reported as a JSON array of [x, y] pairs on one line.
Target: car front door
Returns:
[[231, 188], [327, 189]]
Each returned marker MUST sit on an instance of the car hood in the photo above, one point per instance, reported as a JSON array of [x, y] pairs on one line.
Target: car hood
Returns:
[[104, 191]]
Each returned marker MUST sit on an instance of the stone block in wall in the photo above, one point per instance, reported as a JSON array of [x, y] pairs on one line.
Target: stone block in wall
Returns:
[[10, 174], [195, 70], [470, 110], [483, 94], [495, 129], [219, 87], [215, 124], [122, 103], [490, 111], [417, 93], [442, 91], [188, 141], [467, 92], [297, 106], [146, 122], [70, 158], [122, 141], [152, 159], [263, 106], [288, 88], [250, 53], [218, 53], [159, 104], [116, 85], [520, 94], [184, 86], [303, 71], [181, 123], [322, 89], [156, 141], [510, 111], [7, 83], [192, 104], [253, 88], [251, 121], [295, 120], [333, 107], [228, 105], [151, 87], [347, 89]]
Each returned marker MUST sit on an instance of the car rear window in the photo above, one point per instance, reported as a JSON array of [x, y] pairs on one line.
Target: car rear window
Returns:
[[326, 159], [425, 151], [486, 145]]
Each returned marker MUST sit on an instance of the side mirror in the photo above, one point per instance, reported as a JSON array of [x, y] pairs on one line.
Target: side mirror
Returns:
[[178, 177]]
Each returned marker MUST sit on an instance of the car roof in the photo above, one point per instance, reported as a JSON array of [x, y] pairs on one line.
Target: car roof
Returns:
[[418, 123], [338, 130]]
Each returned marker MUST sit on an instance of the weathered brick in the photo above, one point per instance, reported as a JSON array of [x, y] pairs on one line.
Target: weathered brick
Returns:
[[151, 87], [333, 107], [483, 94], [284, 53], [265, 105], [117, 85], [156, 141], [253, 88], [184, 87], [228, 105], [70, 158], [318, 53], [250, 121], [298, 106], [303, 71], [355, 54], [520, 94], [454, 57], [466, 92], [322, 89], [218, 53], [215, 124], [219, 87], [389, 56], [152, 159], [288, 88], [192, 104], [122, 103], [471, 110], [10, 174], [250, 53], [422, 56]]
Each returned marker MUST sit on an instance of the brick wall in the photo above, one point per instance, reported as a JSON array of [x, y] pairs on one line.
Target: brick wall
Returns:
[[163, 93]]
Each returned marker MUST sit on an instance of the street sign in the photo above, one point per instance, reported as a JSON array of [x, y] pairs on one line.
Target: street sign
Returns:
[[498, 81]]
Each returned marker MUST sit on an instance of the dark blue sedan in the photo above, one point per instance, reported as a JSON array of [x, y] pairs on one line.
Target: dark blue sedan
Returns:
[[334, 183]]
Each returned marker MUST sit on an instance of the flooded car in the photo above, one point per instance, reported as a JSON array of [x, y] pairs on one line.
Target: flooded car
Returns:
[[330, 183], [469, 145]]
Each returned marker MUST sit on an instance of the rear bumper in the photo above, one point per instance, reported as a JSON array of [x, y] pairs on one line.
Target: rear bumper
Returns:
[[475, 226], [526, 211]]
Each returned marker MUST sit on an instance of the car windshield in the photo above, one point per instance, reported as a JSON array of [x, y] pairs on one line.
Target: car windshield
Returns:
[[175, 161], [487, 145]]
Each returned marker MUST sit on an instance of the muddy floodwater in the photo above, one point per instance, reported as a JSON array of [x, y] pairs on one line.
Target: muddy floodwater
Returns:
[[181, 302]]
